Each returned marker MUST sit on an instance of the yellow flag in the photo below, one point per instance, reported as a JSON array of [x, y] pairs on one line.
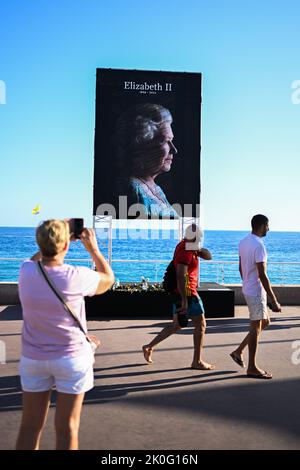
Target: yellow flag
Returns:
[[36, 210]]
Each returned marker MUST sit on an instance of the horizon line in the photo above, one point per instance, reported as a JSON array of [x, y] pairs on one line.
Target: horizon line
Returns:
[[172, 229]]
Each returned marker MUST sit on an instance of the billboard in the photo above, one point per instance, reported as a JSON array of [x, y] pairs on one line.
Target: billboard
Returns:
[[147, 144]]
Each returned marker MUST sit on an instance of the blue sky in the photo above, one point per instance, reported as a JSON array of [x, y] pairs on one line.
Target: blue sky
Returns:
[[248, 52]]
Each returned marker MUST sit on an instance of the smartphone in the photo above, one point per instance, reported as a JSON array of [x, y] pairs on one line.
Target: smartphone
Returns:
[[76, 227]]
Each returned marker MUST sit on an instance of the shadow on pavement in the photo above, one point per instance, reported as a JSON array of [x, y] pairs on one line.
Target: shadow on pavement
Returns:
[[261, 403], [273, 404], [11, 393], [12, 312]]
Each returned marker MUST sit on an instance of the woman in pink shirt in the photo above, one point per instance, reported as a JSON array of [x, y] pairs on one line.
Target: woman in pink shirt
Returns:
[[55, 352]]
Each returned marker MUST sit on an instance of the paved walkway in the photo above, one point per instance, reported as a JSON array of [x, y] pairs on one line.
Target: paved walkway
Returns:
[[167, 405]]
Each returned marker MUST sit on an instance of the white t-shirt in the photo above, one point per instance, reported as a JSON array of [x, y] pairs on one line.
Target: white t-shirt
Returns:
[[49, 331], [252, 251]]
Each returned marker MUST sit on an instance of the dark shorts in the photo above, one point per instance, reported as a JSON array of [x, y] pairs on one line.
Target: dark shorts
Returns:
[[195, 306]]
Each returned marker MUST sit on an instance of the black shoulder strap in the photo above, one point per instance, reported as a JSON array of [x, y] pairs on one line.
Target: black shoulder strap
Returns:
[[59, 295]]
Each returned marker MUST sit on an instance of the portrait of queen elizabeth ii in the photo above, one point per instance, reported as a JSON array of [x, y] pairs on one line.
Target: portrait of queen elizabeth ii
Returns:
[[144, 148]]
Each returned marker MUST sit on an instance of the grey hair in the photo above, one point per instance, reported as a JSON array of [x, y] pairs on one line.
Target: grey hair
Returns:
[[136, 127], [147, 128]]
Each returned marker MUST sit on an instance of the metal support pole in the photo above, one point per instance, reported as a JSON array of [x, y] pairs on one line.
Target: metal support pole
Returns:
[[110, 240], [94, 225]]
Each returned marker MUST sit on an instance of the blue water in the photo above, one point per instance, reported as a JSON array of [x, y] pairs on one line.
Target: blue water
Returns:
[[18, 242]]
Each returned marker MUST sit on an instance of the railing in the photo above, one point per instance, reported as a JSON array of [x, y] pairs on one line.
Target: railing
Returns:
[[221, 272]]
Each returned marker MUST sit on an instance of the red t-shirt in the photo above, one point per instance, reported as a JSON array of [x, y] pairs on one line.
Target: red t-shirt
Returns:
[[189, 258]]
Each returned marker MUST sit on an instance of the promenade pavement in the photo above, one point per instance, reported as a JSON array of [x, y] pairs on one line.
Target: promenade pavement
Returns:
[[167, 405]]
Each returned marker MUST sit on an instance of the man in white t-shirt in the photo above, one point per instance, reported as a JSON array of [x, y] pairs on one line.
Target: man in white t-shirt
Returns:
[[256, 287]]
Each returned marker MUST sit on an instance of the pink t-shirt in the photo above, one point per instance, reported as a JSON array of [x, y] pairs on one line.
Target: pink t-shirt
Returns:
[[49, 331]]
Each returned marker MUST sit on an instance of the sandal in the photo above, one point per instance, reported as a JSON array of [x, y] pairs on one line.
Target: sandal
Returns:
[[265, 375], [237, 360]]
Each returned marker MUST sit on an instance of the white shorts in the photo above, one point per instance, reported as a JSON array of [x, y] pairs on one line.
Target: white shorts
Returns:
[[257, 306], [69, 374]]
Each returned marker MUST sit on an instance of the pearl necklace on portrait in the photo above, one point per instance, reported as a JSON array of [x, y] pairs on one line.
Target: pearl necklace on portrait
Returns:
[[152, 191]]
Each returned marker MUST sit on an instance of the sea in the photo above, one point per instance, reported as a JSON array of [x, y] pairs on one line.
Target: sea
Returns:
[[144, 255]]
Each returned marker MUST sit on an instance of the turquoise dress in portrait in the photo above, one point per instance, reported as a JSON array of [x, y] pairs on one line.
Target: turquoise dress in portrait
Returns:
[[152, 199]]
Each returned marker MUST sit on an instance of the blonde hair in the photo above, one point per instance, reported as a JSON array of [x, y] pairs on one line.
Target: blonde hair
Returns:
[[51, 236]]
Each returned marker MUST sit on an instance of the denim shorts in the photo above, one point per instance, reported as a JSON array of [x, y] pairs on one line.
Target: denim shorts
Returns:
[[195, 306], [72, 375]]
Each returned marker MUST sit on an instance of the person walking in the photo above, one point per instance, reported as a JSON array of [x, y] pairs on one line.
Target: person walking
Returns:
[[187, 301], [55, 352], [256, 288]]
